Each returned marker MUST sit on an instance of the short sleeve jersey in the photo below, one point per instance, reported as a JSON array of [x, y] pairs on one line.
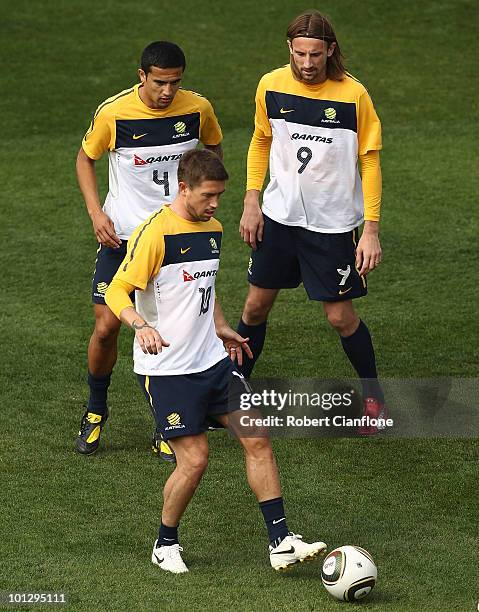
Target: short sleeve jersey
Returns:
[[174, 263], [144, 147], [317, 132]]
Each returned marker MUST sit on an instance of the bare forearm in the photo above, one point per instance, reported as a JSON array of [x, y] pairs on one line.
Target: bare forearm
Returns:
[[86, 176], [219, 318], [371, 227], [130, 317]]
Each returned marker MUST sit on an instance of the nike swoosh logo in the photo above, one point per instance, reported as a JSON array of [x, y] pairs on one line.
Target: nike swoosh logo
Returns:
[[135, 137], [283, 111], [183, 251], [343, 292], [158, 558], [284, 552], [279, 520]]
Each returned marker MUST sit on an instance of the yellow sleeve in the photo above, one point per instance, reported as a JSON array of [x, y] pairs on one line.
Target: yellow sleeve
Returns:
[[210, 131], [258, 159], [144, 255], [117, 296], [260, 145], [372, 185], [100, 135], [369, 126]]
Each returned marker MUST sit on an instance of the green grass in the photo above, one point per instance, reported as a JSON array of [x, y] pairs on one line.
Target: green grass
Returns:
[[86, 525]]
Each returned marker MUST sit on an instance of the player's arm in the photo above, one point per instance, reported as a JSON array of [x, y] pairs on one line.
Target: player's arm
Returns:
[[233, 342], [368, 252], [252, 223], [102, 224], [218, 149], [142, 261], [97, 140], [118, 298]]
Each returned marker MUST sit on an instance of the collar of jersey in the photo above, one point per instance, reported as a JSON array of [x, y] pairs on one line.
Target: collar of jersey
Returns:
[[154, 111], [167, 209]]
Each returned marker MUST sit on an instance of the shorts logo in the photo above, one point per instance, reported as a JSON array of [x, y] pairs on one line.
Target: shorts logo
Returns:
[[173, 418], [250, 266], [344, 274], [101, 288], [174, 421], [214, 246]]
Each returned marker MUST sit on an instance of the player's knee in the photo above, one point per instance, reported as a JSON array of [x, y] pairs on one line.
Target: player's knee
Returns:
[[258, 448], [194, 464], [343, 322], [256, 310], [105, 333]]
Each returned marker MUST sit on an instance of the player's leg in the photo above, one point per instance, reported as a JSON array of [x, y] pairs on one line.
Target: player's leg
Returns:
[[273, 266], [102, 350], [252, 325], [191, 462], [358, 346], [178, 403], [285, 548], [328, 270]]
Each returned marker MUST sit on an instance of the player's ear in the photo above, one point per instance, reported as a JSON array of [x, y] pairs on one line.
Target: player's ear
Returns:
[[290, 46], [331, 49], [142, 75], [182, 188]]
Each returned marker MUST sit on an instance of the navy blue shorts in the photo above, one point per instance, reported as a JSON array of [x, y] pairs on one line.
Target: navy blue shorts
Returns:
[[324, 263], [186, 404], [107, 262]]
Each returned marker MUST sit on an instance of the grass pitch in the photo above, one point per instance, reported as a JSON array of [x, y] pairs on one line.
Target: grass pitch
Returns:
[[86, 525]]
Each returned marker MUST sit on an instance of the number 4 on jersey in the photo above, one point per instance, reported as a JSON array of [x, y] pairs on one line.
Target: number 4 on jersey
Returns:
[[163, 181]]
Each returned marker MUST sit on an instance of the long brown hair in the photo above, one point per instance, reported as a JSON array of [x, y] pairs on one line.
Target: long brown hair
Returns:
[[314, 25]]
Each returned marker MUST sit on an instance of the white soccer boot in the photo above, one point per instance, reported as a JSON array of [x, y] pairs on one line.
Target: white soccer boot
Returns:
[[169, 558], [293, 550]]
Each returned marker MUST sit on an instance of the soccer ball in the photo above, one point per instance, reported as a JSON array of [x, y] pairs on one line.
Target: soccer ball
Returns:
[[349, 573]]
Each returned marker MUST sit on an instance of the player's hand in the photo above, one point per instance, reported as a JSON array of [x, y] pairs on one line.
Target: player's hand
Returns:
[[252, 222], [368, 253], [105, 230], [234, 344], [149, 339]]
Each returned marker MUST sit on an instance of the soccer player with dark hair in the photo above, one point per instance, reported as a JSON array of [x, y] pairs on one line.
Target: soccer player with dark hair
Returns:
[[184, 354], [313, 123], [145, 130]]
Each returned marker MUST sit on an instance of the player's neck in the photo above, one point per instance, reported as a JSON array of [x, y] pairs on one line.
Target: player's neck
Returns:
[[147, 101], [179, 208]]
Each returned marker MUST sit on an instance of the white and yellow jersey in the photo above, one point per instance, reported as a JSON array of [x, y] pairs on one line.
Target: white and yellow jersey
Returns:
[[317, 133], [145, 146], [173, 263]]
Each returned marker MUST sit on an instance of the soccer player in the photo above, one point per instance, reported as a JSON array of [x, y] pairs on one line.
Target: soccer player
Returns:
[[179, 354], [313, 121], [145, 130]]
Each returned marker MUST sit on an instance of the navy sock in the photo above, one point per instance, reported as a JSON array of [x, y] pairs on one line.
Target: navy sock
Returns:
[[167, 536], [275, 519], [98, 393], [360, 351], [256, 335]]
